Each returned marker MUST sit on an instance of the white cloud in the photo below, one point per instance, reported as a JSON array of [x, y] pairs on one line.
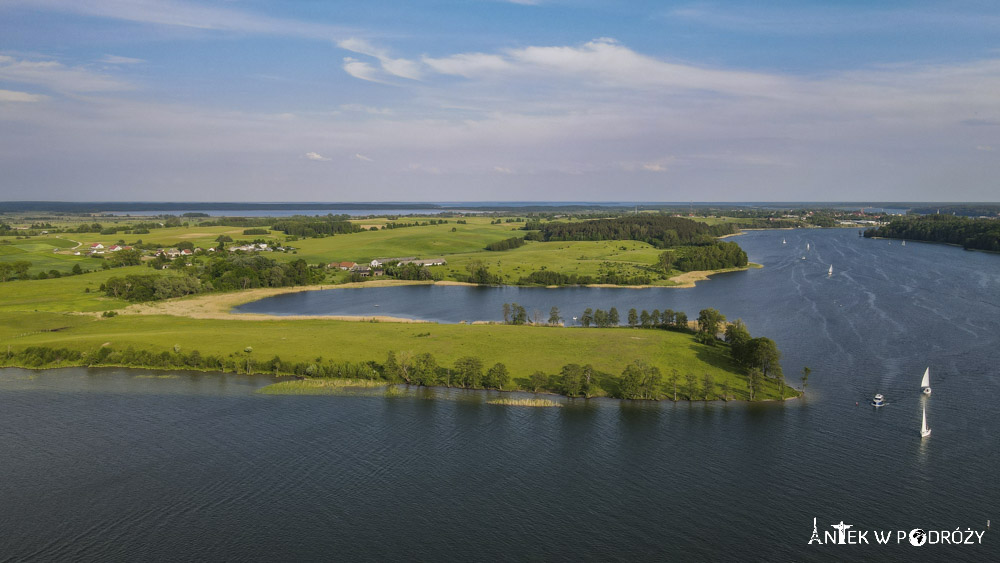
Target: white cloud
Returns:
[[361, 108], [359, 156], [117, 60], [469, 64], [362, 70], [14, 96], [179, 13], [402, 68], [654, 167], [984, 148], [502, 170], [57, 76], [315, 156]]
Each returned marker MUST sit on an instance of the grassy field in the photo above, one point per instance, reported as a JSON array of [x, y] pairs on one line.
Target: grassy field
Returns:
[[608, 350], [575, 257]]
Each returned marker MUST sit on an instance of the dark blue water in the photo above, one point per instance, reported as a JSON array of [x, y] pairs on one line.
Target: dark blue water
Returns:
[[105, 465]]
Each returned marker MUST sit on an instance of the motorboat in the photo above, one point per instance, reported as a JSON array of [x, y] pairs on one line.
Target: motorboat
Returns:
[[878, 401]]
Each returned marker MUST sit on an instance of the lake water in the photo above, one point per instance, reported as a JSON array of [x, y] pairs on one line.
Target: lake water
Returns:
[[115, 464]]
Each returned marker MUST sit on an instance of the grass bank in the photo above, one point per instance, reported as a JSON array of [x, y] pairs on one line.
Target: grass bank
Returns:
[[525, 350]]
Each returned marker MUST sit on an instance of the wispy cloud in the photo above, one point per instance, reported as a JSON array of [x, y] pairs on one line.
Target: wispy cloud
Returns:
[[57, 76], [402, 68], [21, 97], [361, 157], [315, 156], [362, 70], [118, 60], [184, 14]]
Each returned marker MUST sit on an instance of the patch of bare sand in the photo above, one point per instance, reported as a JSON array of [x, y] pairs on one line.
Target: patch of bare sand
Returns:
[[220, 305]]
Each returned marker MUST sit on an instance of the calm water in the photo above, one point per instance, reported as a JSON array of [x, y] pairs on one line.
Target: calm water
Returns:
[[114, 464]]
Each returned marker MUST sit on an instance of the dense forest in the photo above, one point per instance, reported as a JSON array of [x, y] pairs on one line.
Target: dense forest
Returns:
[[716, 256], [303, 227], [661, 231], [971, 234]]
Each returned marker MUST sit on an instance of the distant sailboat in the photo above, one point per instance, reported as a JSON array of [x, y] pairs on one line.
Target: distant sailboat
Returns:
[[925, 383], [807, 246], [903, 243], [783, 241], [924, 431], [830, 271]]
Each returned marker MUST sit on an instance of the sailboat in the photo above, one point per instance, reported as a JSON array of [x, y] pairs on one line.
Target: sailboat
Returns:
[[830, 271], [924, 431], [807, 246], [903, 243], [783, 241], [925, 383]]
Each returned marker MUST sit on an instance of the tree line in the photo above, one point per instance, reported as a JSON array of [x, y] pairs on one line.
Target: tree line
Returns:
[[971, 234], [506, 244], [233, 272], [638, 380], [661, 231]]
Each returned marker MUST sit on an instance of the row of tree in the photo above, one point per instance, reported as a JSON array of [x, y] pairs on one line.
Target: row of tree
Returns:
[[506, 244], [638, 380]]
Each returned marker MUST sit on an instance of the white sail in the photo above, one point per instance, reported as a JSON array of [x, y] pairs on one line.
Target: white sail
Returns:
[[807, 246], [830, 271], [924, 431], [926, 381]]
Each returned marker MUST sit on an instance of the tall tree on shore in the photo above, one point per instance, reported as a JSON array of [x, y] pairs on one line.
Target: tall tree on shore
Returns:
[[506, 313], [497, 377], [709, 385], [672, 380], [469, 372], [681, 320], [692, 385], [644, 318], [554, 317], [710, 320], [667, 317], [588, 317], [613, 318], [763, 353], [633, 317], [755, 382], [738, 337]]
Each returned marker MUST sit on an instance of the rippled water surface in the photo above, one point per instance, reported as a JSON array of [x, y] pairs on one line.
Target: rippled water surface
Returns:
[[114, 464]]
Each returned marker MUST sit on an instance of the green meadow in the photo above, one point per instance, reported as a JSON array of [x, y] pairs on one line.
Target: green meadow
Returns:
[[524, 349]]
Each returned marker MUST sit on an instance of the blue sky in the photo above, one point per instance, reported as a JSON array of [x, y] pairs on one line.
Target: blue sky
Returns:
[[498, 100]]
